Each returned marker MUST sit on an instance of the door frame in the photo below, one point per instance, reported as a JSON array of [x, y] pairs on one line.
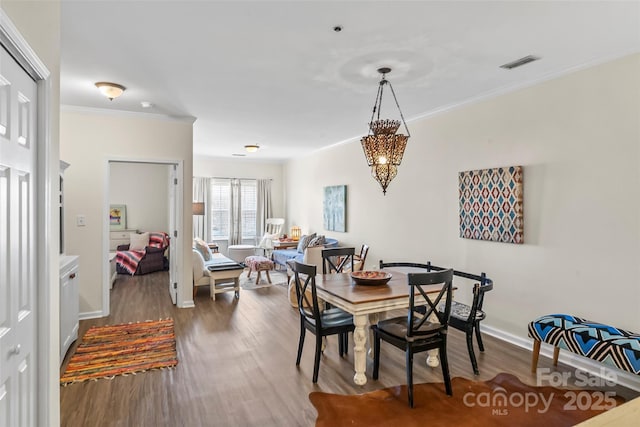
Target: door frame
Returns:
[[177, 251], [46, 305]]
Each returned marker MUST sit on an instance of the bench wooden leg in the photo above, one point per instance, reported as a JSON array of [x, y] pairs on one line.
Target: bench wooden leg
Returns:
[[268, 277], [535, 355], [556, 352], [258, 278]]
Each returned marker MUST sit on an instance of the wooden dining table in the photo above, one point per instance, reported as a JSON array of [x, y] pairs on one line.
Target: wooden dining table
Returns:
[[366, 303]]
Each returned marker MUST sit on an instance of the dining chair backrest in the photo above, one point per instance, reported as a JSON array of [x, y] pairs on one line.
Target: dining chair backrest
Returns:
[[362, 256], [420, 318], [483, 285], [336, 260], [304, 276], [479, 289], [426, 267]]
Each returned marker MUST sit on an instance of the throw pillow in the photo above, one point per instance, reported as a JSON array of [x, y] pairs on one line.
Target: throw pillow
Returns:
[[304, 242], [316, 241], [203, 248], [138, 242]]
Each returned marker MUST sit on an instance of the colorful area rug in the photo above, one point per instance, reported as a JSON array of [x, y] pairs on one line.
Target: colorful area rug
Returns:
[[502, 401], [108, 351]]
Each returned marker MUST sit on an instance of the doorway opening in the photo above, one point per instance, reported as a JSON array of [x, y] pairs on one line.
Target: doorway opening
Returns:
[[147, 196]]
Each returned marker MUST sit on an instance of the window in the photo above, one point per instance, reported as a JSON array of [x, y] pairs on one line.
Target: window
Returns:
[[221, 208], [248, 199]]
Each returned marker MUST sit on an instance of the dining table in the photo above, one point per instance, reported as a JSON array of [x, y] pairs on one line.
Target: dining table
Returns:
[[366, 303]]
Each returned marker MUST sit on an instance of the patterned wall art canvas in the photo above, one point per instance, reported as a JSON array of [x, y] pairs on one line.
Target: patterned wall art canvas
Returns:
[[491, 204], [334, 209]]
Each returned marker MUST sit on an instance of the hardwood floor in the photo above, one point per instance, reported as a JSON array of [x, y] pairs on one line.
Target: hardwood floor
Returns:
[[237, 364]]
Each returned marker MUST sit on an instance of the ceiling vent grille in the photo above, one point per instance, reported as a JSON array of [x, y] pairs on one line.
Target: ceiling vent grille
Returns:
[[519, 62]]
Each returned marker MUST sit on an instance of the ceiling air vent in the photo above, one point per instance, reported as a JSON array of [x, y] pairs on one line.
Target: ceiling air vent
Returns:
[[519, 62]]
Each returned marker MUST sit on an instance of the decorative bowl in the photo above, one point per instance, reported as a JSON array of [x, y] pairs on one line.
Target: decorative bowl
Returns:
[[370, 278]]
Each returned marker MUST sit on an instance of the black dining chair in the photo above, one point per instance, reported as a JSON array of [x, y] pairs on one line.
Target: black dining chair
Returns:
[[337, 260], [319, 322], [465, 318], [419, 331]]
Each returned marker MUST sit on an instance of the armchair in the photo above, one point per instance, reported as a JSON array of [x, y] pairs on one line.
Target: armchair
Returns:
[[152, 261], [148, 260]]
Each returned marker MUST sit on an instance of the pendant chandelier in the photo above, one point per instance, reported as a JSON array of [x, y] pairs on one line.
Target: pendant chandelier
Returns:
[[382, 147]]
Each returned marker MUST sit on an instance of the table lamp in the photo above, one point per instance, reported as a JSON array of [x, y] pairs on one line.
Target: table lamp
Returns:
[[296, 232]]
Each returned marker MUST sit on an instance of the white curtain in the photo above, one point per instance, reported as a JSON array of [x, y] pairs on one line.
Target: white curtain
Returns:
[[263, 205], [202, 223], [235, 222]]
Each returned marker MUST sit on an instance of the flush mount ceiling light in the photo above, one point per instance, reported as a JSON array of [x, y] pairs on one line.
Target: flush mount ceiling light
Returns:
[[110, 90], [382, 147], [251, 148]]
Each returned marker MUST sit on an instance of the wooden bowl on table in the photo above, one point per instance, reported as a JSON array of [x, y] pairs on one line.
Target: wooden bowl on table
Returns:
[[371, 278]]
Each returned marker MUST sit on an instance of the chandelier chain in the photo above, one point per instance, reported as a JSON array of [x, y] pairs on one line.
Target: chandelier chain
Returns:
[[377, 106], [399, 110]]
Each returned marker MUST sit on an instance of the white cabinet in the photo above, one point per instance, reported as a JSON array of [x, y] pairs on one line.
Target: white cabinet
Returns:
[[69, 303], [120, 237]]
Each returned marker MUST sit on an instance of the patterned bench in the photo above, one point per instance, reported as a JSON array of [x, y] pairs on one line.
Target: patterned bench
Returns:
[[603, 343]]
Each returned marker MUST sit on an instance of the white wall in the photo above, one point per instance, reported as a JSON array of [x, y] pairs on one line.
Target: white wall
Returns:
[[578, 138], [142, 187], [39, 24], [89, 139]]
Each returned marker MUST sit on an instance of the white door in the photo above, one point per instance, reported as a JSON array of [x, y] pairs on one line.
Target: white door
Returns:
[[173, 253], [18, 96]]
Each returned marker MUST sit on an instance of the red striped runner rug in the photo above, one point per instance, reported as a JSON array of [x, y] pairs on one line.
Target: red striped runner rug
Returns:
[[108, 351]]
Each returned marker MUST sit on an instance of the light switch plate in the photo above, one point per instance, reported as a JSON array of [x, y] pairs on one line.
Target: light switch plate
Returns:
[[81, 221]]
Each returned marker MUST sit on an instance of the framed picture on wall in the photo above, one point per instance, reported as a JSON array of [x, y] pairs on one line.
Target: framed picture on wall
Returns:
[[118, 217], [334, 211]]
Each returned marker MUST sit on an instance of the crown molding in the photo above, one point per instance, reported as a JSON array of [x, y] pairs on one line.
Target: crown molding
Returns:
[[109, 112], [18, 47]]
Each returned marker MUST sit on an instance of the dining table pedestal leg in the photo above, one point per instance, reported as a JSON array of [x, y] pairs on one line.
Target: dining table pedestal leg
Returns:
[[433, 359], [360, 349], [374, 318]]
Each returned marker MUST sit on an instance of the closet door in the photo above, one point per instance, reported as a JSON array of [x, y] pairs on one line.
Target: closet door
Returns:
[[18, 97]]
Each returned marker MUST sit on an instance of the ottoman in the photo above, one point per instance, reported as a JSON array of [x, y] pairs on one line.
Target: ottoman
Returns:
[[258, 264], [239, 252]]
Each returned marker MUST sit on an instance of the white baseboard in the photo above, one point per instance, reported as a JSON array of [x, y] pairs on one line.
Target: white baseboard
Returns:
[[187, 304], [91, 315], [585, 364]]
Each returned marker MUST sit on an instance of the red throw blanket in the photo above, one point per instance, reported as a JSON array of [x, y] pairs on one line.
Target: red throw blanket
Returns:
[[129, 260], [158, 240]]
